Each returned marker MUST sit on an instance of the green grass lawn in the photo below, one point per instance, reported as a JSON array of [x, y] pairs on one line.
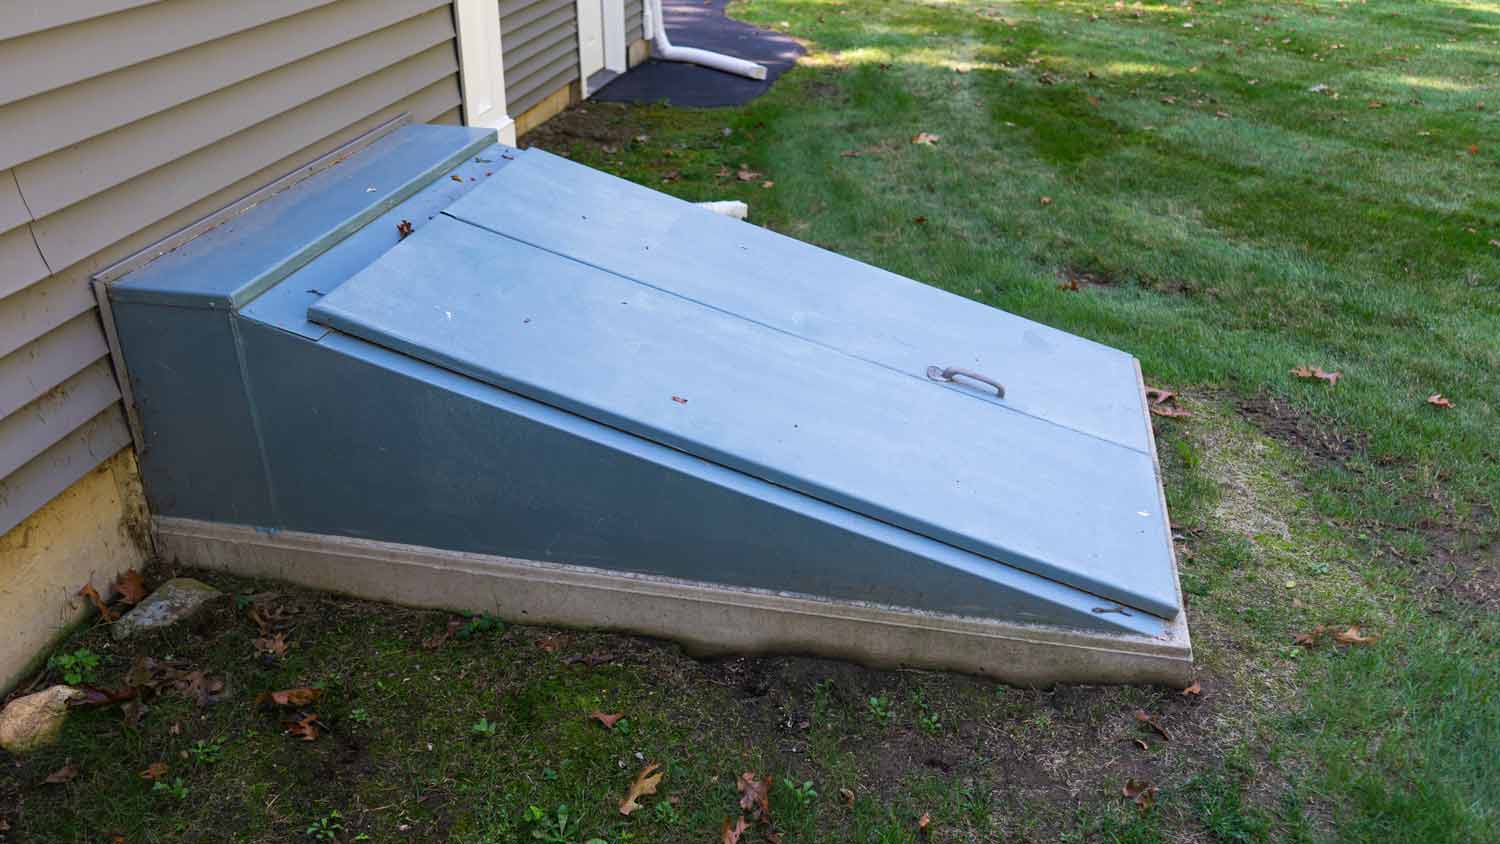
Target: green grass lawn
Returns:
[[1234, 189]]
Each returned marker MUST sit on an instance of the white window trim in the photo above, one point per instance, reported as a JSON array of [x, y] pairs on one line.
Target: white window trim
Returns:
[[481, 70]]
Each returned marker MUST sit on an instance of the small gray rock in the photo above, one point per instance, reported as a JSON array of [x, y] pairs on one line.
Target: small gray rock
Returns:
[[178, 599]]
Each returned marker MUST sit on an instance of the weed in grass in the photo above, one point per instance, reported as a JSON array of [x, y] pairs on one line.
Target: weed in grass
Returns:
[[326, 828], [359, 715], [880, 709], [176, 789], [76, 667], [478, 625], [556, 827], [928, 719], [206, 751], [484, 727]]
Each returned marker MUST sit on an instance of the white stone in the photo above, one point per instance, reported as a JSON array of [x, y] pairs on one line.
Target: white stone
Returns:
[[176, 600]]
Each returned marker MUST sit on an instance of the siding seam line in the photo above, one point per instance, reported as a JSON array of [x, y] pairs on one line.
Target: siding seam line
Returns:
[[31, 232]]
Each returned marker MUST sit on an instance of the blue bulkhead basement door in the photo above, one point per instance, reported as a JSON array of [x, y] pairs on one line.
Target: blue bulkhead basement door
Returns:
[[957, 464]]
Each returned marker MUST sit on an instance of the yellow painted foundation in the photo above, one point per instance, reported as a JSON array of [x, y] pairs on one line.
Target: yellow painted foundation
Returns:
[[95, 529]]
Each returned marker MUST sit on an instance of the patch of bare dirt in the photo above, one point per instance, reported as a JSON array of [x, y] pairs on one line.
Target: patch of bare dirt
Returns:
[[607, 125], [1073, 278], [1463, 562], [1464, 554], [1306, 433]]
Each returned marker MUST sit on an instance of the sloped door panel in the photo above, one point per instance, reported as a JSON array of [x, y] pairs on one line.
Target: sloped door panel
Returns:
[[1018, 490]]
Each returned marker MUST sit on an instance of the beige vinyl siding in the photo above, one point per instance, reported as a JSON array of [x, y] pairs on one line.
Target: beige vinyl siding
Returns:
[[634, 19], [539, 46], [24, 18], [184, 107], [36, 126]]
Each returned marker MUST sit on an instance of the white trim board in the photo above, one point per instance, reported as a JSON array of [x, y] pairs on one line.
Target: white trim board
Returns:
[[481, 69], [705, 618]]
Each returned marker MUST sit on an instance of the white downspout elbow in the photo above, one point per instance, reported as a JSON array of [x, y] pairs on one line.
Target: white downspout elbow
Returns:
[[664, 49]]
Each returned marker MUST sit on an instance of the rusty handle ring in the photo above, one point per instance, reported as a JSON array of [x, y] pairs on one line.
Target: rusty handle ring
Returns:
[[938, 373]]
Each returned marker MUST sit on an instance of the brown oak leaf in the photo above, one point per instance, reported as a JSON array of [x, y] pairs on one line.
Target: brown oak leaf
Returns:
[[732, 830], [88, 591], [645, 783], [755, 795], [1314, 373], [66, 773], [1353, 636], [289, 697], [155, 771], [303, 726], [1141, 791], [1144, 717], [607, 720], [131, 586]]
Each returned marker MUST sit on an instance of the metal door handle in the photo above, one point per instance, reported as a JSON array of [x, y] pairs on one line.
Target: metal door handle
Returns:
[[938, 373]]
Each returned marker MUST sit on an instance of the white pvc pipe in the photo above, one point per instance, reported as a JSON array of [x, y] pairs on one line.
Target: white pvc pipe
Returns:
[[663, 49]]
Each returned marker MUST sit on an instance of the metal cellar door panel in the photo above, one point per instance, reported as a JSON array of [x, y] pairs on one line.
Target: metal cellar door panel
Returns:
[[818, 295], [891, 445]]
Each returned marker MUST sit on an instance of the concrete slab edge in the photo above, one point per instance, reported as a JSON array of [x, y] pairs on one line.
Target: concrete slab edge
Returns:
[[707, 619]]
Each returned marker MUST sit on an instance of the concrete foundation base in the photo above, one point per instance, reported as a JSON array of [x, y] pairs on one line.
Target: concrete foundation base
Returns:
[[707, 619]]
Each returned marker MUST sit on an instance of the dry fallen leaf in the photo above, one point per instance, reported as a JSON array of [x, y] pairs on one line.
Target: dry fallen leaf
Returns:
[[289, 697], [926, 138], [1196, 689], [304, 726], [607, 720], [924, 822], [1313, 372], [274, 647], [1141, 743], [597, 657], [1156, 395], [745, 174], [154, 771], [132, 712], [549, 644], [1170, 411], [132, 587], [1473, 149], [755, 795], [1141, 791], [732, 831], [88, 591], [1439, 400], [768, 184], [200, 687], [1144, 717], [851, 153], [437, 640], [64, 774], [847, 796], [645, 783], [95, 696], [403, 229], [1352, 636], [457, 178], [1046, 200]]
